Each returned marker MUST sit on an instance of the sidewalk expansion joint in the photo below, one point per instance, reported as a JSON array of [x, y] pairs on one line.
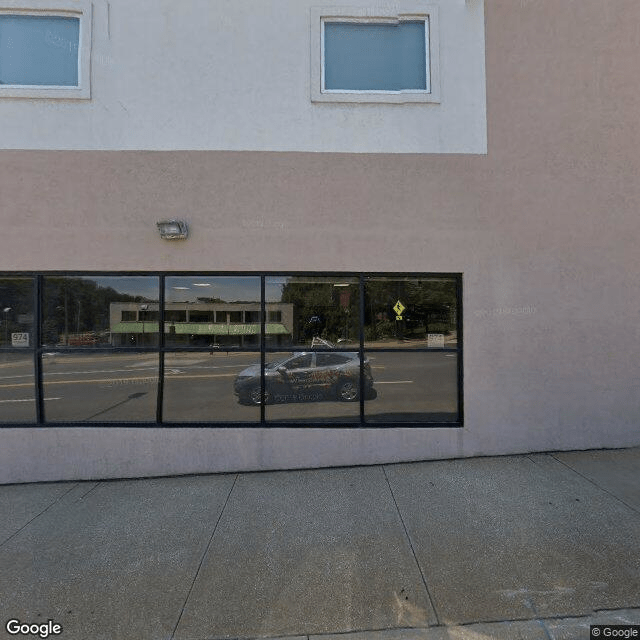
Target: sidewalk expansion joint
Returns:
[[204, 555], [550, 618], [86, 493], [595, 484], [413, 551], [542, 620], [24, 526]]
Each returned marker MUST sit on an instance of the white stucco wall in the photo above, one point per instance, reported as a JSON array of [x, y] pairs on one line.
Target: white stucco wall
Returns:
[[210, 74]]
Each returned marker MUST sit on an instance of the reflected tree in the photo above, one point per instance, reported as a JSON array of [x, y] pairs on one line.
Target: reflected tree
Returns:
[[16, 305], [78, 306], [430, 307], [322, 309]]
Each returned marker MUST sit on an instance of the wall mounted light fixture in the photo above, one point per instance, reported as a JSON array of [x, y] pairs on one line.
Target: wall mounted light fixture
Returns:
[[173, 229]]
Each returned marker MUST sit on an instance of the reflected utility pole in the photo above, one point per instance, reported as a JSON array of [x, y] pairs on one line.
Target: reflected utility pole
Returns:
[[6, 324]]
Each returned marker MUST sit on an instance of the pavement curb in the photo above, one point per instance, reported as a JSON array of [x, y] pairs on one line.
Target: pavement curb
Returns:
[[554, 628]]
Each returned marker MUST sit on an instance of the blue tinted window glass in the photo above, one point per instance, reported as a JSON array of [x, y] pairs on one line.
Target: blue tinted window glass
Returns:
[[39, 50], [389, 57]]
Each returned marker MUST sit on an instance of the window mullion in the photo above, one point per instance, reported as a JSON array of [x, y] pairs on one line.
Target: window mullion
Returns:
[[361, 348], [263, 311], [37, 349], [160, 388]]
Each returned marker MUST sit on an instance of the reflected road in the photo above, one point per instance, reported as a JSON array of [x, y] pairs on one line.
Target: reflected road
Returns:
[[198, 387]]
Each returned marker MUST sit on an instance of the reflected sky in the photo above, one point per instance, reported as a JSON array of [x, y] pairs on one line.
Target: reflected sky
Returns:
[[190, 288], [145, 286], [275, 284], [227, 288], [185, 288]]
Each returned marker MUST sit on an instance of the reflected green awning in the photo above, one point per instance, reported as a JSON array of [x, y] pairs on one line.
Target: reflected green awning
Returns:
[[200, 328], [135, 327]]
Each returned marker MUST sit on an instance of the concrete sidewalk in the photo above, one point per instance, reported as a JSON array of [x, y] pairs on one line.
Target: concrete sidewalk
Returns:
[[531, 547]]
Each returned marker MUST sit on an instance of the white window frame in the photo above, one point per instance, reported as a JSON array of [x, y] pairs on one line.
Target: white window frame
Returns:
[[360, 15], [80, 9]]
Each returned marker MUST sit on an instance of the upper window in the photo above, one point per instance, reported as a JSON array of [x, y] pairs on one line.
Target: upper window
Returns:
[[358, 56], [45, 49]]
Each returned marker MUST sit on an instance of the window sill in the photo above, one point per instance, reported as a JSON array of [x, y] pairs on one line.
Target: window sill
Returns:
[[383, 97], [45, 92]]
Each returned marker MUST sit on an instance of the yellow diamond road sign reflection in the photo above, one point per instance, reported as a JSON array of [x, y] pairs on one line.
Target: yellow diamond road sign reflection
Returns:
[[399, 308]]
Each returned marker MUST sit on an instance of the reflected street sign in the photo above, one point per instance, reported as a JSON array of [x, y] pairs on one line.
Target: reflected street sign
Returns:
[[19, 339], [399, 308]]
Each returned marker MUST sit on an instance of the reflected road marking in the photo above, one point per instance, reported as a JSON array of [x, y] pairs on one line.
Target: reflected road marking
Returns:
[[29, 400], [171, 369], [116, 380], [150, 379]]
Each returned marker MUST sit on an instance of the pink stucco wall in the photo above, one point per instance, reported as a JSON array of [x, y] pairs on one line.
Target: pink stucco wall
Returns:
[[544, 229]]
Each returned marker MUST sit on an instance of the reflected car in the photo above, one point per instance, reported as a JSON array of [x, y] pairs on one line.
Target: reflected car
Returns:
[[306, 377]]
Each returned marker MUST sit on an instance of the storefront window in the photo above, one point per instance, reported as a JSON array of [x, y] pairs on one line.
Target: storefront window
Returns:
[[216, 349], [312, 387], [314, 307], [211, 311], [100, 311], [402, 311], [17, 377], [100, 387], [413, 386], [17, 309], [17, 387]]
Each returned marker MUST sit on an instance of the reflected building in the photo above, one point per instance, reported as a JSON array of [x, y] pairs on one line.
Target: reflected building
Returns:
[[214, 324]]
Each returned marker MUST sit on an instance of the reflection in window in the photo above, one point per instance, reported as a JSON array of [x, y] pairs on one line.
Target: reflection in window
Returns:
[[147, 315], [299, 388], [107, 387], [212, 311], [331, 359], [301, 362], [401, 310], [315, 371], [175, 315], [39, 50], [17, 387], [375, 56], [413, 387], [16, 307], [315, 307], [201, 316], [200, 387], [252, 317], [90, 311]]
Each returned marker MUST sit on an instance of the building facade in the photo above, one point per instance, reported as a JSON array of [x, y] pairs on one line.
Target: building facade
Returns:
[[214, 325], [412, 225]]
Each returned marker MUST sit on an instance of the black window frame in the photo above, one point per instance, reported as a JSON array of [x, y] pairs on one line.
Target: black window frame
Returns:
[[37, 349]]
